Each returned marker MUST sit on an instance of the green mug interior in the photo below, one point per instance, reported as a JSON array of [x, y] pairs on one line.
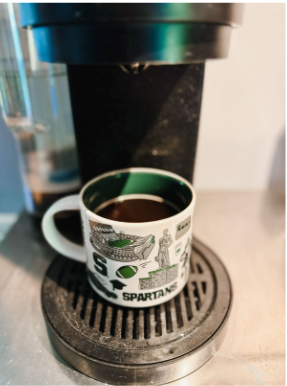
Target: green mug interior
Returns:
[[113, 186]]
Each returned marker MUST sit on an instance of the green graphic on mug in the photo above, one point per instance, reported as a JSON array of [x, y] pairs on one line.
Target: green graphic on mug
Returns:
[[159, 278], [126, 271], [100, 286], [119, 246], [178, 249], [119, 243], [183, 227], [166, 272], [185, 257], [117, 284]]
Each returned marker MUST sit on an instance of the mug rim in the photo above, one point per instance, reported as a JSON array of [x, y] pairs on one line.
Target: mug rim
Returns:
[[139, 170]]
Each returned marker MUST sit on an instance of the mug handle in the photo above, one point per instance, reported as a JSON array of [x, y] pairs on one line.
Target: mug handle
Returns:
[[60, 243]]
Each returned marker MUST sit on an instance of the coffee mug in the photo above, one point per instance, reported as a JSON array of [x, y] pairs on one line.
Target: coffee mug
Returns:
[[130, 264]]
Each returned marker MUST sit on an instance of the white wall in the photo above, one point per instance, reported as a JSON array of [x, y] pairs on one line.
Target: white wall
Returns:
[[242, 130]]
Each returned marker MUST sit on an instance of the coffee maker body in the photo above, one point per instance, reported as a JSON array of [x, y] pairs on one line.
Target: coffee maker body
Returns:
[[135, 76]]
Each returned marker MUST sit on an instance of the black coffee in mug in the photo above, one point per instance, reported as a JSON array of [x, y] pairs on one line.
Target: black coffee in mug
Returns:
[[137, 210]]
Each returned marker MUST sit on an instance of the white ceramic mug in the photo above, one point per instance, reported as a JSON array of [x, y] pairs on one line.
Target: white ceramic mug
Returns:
[[130, 264]]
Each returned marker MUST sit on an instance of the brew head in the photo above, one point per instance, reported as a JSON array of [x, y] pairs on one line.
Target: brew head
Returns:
[[131, 34]]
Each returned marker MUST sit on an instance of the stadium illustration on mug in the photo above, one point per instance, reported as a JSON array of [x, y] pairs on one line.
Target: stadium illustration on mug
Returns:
[[119, 246]]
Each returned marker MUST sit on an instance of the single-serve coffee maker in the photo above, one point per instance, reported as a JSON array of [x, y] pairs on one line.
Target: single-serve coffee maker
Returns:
[[135, 75]]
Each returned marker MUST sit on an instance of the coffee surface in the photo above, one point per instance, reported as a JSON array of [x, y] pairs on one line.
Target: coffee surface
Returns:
[[137, 210]]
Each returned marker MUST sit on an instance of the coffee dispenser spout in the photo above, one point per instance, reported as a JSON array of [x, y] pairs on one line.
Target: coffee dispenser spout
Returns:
[[134, 68]]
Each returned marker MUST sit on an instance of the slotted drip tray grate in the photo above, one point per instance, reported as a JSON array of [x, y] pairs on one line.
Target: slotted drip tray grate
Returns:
[[145, 346]]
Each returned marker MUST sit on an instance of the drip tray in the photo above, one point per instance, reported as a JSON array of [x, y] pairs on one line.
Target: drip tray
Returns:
[[125, 346]]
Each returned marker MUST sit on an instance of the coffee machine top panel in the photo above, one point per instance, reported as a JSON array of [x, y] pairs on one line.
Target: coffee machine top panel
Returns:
[[105, 33]]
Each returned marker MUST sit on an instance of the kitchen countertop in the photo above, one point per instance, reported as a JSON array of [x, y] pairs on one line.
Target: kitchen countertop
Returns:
[[246, 230], [7, 220]]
